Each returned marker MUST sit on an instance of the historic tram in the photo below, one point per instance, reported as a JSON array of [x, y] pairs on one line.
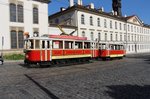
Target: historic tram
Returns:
[[62, 49]]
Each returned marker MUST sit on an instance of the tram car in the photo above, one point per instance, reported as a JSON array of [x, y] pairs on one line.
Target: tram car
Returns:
[[111, 51], [63, 49]]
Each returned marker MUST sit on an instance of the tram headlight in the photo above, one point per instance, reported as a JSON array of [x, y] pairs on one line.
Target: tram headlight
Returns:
[[27, 56]]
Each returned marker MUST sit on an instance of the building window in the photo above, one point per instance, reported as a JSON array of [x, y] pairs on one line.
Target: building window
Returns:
[[83, 34], [99, 36], [116, 37], [16, 13], [120, 26], [36, 34], [20, 13], [16, 39], [57, 21], [91, 20], [128, 37], [128, 28], [120, 37], [124, 26], [105, 23], [105, 36], [115, 25], [13, 39], [13, 16], [125, 37], [35, 15], [82, 19], [20, 39], [98, 22], [111, 37], [92, 36], [134, 28], [131, 28], [111, 24]]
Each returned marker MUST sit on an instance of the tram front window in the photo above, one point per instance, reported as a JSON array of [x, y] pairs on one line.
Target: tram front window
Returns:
[[29, 44]]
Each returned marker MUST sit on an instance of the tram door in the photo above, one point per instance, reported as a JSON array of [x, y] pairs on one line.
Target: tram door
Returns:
[[45, 50]]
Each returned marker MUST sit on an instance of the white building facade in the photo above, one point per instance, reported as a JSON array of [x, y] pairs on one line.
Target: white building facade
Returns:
[[20, 16], [98, 25]]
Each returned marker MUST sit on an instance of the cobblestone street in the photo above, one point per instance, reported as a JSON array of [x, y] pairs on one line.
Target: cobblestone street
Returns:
[[128, 78]]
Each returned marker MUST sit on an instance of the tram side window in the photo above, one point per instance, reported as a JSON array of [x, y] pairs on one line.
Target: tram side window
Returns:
[[68, 45], [37, 44], [48, 44], [86, 45], [30, 44], [57, 44], [103, 46], [43, 44], [78, 45]]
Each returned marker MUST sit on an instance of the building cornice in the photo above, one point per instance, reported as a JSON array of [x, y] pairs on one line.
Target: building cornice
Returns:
[[43, 1]]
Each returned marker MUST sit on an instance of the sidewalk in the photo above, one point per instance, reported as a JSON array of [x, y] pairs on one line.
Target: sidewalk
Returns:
[[13, 61]]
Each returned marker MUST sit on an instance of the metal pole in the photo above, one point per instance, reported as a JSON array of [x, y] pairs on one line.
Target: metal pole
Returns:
[[2, 45]]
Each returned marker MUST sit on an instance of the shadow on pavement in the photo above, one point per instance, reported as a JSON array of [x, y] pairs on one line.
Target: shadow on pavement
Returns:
[[50, 94], [129, 91]]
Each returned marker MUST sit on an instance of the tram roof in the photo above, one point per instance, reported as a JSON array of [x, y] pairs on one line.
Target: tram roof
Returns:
[[47, 38]]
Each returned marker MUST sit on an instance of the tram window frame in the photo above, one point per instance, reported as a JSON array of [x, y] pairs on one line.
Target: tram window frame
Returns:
[[59, 46], [86, 45], [68, 46], [103, 46], [43, 44], [37, 46], [31, 44], [48, 44], [78, 45]]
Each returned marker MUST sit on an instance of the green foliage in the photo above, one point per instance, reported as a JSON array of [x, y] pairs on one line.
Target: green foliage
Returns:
[[14, 57]]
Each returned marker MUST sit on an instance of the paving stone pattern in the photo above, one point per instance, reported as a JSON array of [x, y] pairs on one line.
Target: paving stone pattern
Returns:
[[128, 78]]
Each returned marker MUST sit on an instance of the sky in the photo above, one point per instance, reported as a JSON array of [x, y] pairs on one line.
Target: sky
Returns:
[[129, 7]]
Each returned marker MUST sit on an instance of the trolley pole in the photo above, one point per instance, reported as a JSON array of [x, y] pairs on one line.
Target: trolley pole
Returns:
[[2, 45]]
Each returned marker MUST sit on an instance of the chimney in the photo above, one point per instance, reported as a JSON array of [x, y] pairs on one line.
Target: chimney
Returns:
[[62, 9], [115, 13], [79, 2], [92, 5], [71, 3], [112, 12], [102, 9]]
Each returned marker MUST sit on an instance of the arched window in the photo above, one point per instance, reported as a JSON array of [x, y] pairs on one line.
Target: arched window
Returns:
[[83, 34], [20, 39], [111, 37], [82, 19], [13, 17], [105, 23], [105, 36], [35, 15], [92, 36], [99, 36], [120, 37], [116, 37], [98, 21], [13, 34], [91, 20], [20, 13]]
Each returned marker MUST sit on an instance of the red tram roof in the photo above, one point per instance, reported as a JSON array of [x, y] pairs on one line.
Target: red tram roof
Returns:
[[67, 37]]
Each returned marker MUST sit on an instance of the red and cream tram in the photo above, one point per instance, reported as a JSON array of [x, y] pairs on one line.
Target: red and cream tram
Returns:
[[62, 49], [54, 49]]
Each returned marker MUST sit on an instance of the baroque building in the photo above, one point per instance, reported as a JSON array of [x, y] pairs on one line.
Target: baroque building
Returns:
[[97, 25]]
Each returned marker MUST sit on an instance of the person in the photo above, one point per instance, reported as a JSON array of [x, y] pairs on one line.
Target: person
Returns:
[[1, 59]]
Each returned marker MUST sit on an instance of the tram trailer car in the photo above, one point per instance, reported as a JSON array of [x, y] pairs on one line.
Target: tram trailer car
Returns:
[[61, 49], [111, 51]]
